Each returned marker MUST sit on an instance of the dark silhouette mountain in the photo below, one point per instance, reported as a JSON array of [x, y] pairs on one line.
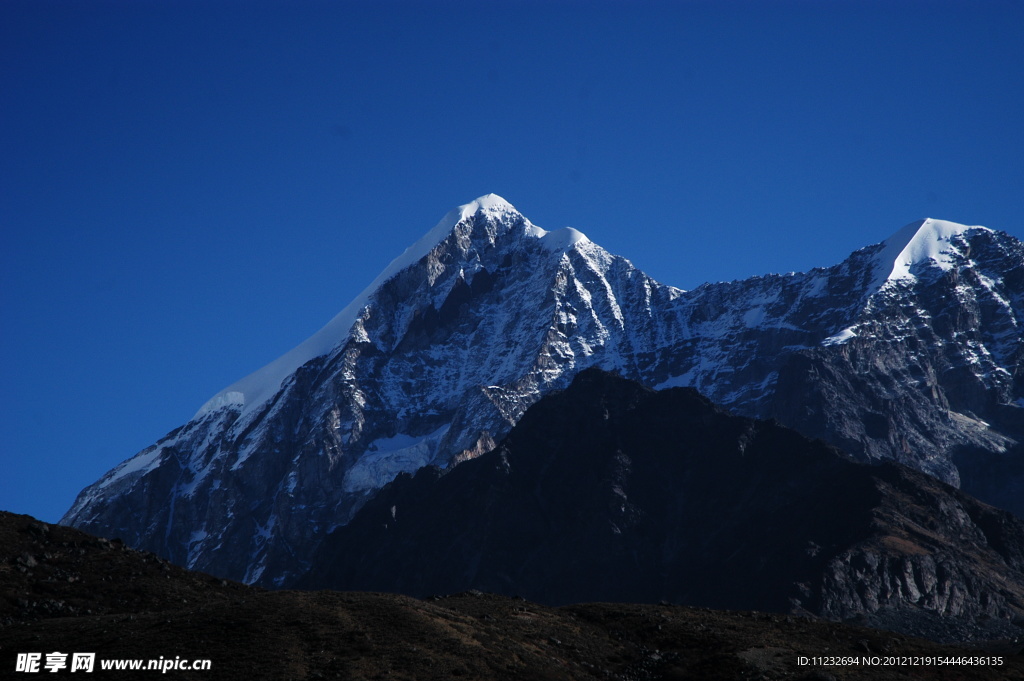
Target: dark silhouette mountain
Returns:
[[64, 591], [610, 491]]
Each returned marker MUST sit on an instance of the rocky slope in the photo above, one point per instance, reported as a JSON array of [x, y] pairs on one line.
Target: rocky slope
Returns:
[[609, 491], [128, 605], [909, 350]]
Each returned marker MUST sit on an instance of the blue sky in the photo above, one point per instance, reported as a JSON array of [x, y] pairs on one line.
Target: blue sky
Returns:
[[189, 189]]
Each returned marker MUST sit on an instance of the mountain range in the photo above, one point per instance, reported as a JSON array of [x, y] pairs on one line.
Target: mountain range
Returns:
[[910, 350]]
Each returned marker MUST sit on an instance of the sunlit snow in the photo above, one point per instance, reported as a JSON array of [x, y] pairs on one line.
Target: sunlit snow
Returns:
[[841, 337], [141, 463], [919, 242]]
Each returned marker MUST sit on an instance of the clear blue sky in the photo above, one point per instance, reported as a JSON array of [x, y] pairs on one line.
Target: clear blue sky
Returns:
[[189, 189]]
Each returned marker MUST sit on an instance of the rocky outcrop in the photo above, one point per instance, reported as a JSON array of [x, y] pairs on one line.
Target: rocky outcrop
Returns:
[[933, 376]]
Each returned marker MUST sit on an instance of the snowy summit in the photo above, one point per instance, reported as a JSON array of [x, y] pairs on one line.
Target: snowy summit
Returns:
[[261, 385]]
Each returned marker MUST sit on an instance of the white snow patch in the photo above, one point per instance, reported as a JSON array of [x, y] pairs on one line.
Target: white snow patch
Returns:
[[754, 317], [244, 452], [815, 288], [141, 463], [560, 240], [841, 337], [684, 381], [993, 288], [266, 531], [230, 398], [254, 573], [385, 458], [197, 537]]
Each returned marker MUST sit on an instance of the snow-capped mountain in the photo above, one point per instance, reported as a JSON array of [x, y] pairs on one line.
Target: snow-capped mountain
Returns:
[[911, 349]]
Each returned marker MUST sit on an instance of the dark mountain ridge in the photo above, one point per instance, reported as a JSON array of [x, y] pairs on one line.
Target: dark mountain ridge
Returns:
[[610, 491]]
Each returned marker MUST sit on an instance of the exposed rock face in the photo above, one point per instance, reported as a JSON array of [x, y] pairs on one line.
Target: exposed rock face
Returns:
[[909, 350], [936, 367], [933, 547], [609, 491]]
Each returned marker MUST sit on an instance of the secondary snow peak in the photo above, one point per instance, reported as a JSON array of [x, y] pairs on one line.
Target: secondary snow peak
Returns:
[[922, 242], [563, 239]]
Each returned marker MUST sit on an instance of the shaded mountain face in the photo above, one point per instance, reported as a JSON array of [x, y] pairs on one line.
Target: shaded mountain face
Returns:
[[64, 590], [609, 491], [909, 350]]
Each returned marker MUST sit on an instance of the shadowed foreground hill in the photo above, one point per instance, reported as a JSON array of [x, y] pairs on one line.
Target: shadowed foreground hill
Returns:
[[142, 608], [610, 491]]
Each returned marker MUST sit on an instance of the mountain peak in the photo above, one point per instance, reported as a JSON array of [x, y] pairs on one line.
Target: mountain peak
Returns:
[[491, 204], [922, 242], [259, 386]]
